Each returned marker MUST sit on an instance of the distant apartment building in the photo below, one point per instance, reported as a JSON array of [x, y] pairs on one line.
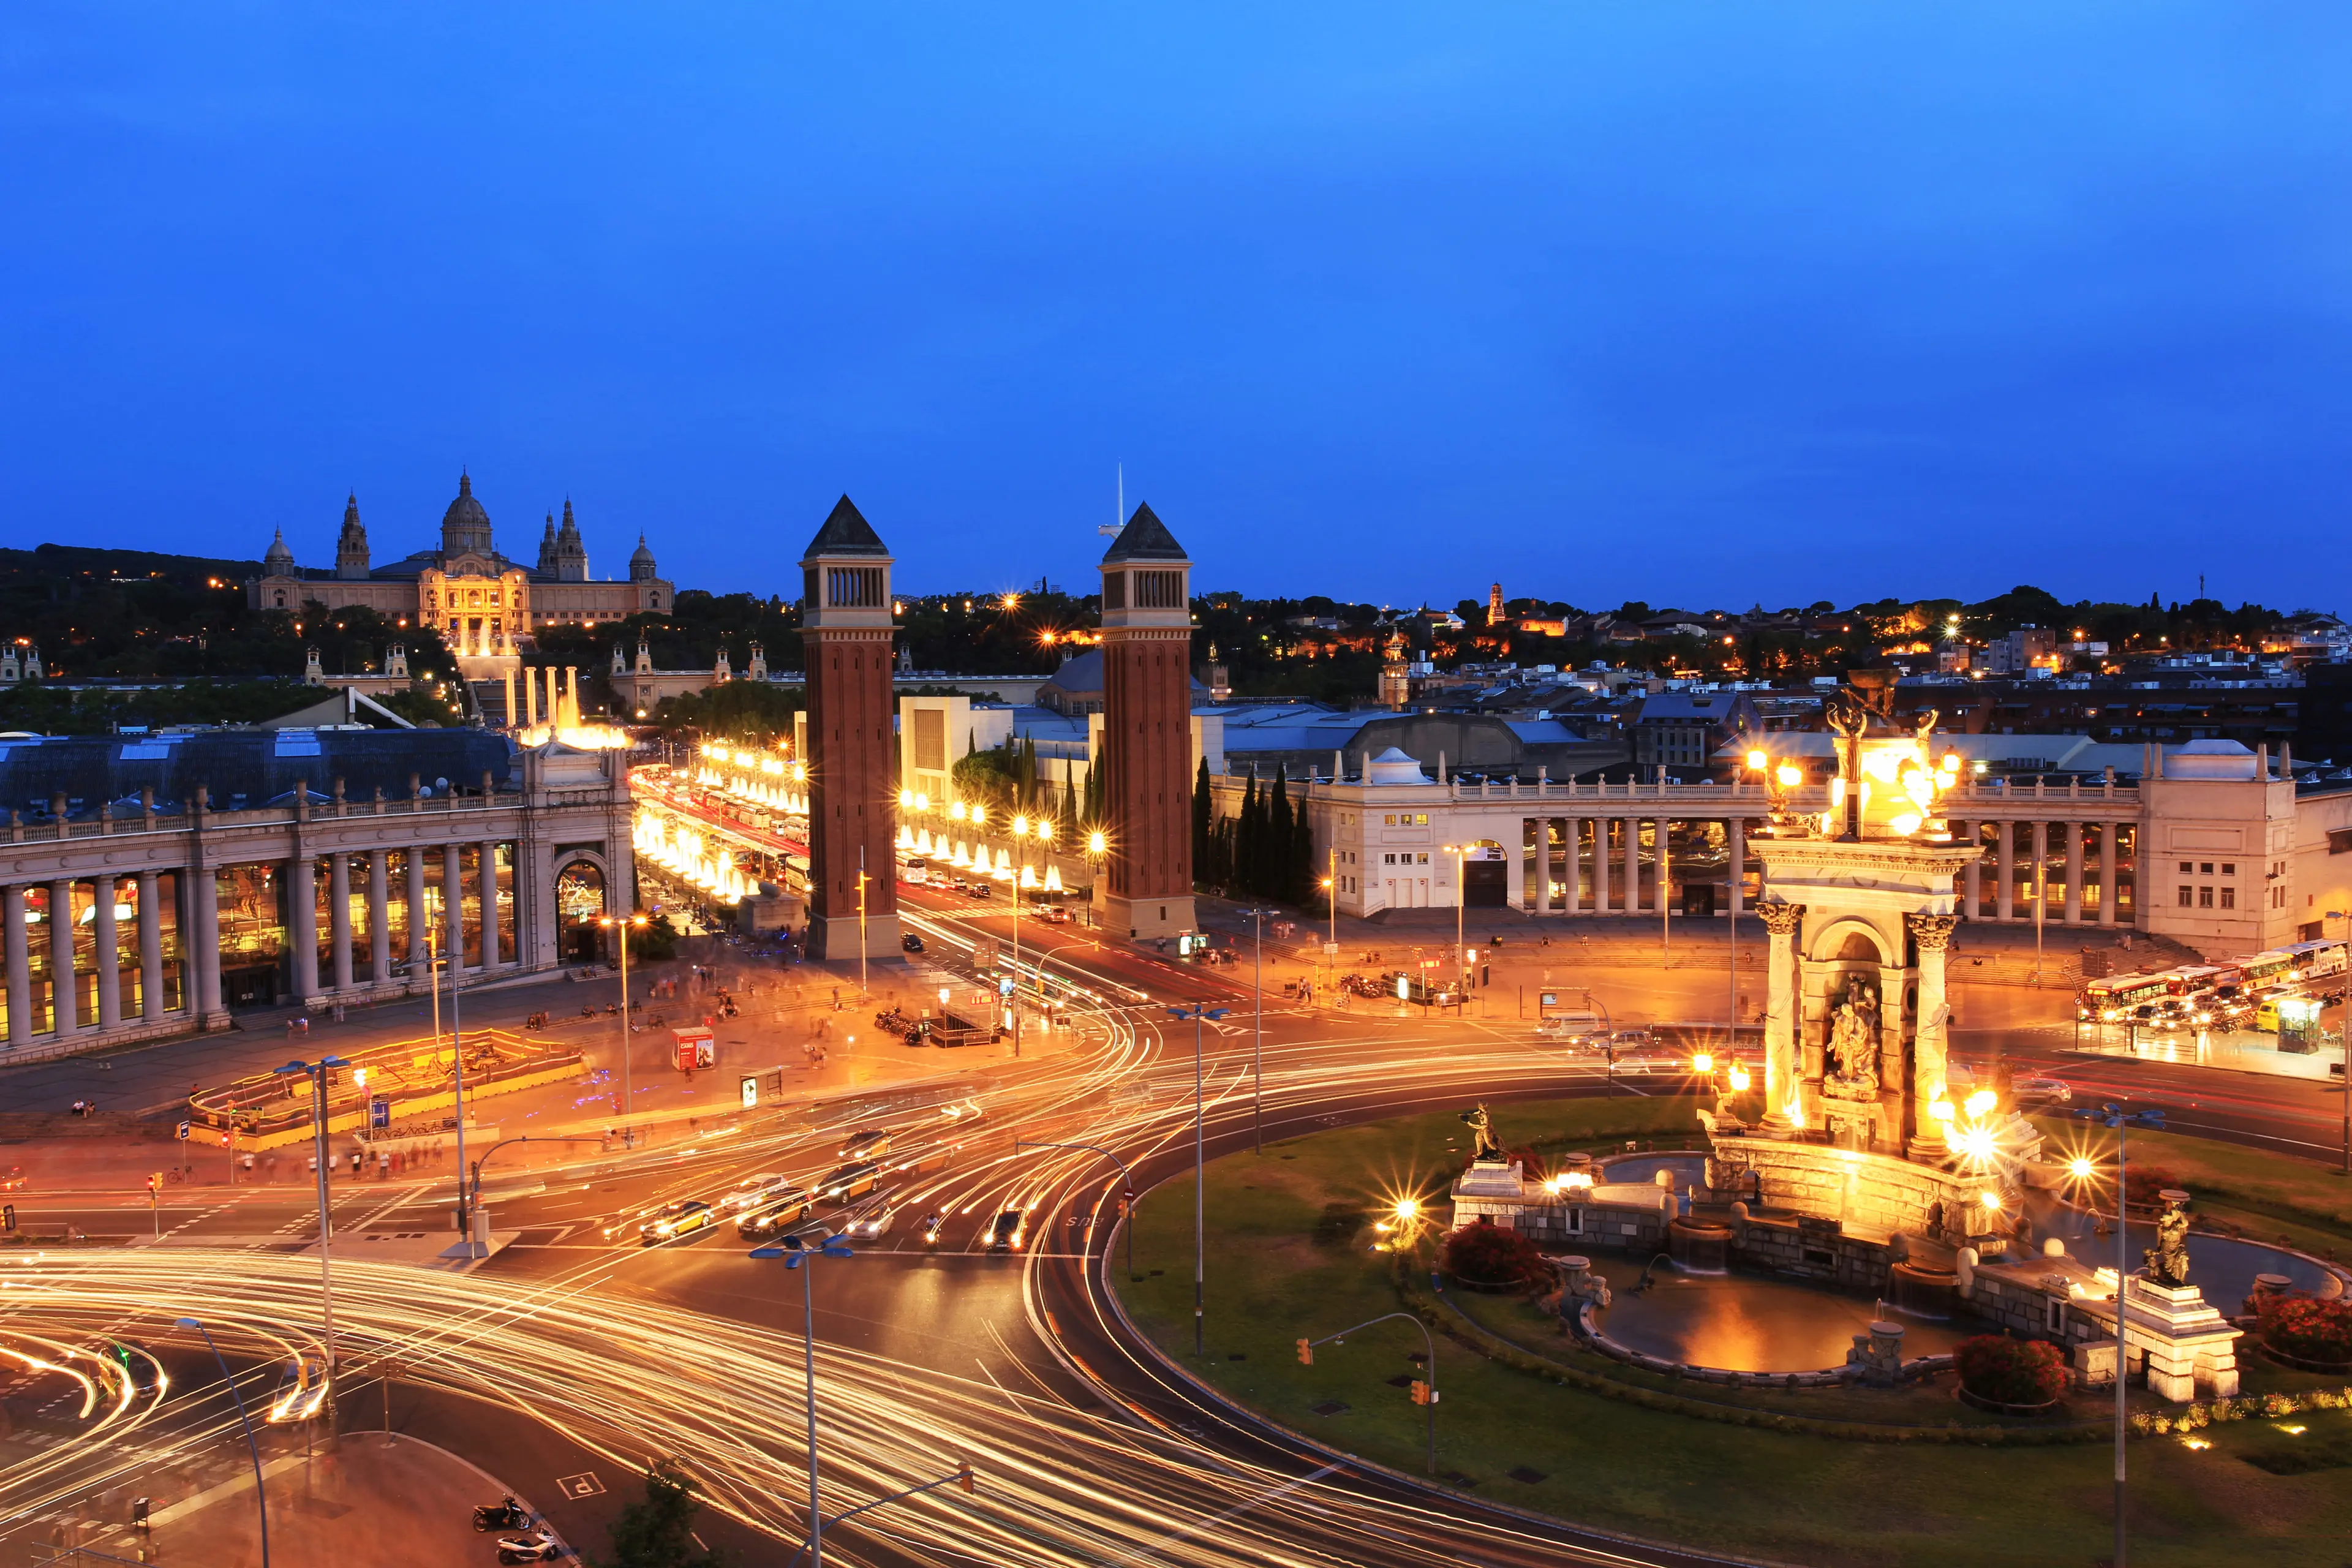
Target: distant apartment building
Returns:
[[2027, 647]]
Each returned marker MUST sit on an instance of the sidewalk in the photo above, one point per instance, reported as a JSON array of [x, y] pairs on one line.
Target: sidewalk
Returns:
[[364, 1506], [786, 1013], [2231, 1050]]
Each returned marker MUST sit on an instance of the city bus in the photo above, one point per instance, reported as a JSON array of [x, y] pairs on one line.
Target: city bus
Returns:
[[2198, 979], [2272, 966], [2111, 1000], [2314, 960], [919, 869]]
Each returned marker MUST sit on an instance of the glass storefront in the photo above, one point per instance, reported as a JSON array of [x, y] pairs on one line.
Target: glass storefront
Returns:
[[579, 901], [41, 971], [252, 934], [508, 948]]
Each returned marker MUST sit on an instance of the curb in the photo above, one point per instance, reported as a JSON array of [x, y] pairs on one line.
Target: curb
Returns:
[[1242, 1414], [570, 1552]]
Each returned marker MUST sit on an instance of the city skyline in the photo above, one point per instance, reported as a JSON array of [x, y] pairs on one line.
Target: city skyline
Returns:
[[1773, 314]]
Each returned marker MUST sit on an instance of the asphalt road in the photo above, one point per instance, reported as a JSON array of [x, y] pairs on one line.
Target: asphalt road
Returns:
[[580, 1351]]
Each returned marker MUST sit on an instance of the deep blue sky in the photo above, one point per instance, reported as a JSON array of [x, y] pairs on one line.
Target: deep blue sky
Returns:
[[1696, 303]]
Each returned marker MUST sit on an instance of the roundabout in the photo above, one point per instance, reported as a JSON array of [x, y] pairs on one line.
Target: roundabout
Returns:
[[1305, 1240]]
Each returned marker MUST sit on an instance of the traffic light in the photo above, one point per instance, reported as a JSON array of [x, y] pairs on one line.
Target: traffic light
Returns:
[[1306, 1352], [7, 1217], [963, 1475], [155, 1182], [1423, 1393]]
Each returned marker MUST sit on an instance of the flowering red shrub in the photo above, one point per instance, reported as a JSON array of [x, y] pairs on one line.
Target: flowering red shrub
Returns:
[[1492, 1255], [2010, 1372], [2308, 1329], [2143, 1183]]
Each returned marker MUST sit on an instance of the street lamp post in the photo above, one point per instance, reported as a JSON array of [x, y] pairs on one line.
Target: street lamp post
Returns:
[[1097, 846], [260, 1502], [317, 1073], [628, 1096], [796, 1251], [1461, 954], [1331, 908], [1198, 1013], [2123, 1358], [2345, 991], [1257, 1039], [1127, 1185]]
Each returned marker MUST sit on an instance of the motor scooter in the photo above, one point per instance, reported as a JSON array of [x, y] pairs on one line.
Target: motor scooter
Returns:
[[507, 1515]]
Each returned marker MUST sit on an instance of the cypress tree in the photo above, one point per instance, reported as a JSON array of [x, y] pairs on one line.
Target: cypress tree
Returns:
[[1245, 835], [1276, 877], [1200, 807], [1302, 855]]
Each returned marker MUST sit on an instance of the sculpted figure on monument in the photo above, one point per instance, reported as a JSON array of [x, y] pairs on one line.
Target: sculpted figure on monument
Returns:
[[2168, 1260], [1852, 1046], [1482, 1127]]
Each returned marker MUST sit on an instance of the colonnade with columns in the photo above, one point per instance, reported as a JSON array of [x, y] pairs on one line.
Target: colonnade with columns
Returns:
[[115, 929]]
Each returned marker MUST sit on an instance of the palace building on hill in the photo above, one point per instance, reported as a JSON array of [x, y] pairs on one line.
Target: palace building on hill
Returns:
[[485, 607]]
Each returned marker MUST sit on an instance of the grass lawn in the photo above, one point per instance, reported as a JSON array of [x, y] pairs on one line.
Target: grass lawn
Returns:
[[2304, 1203], [1604, 1463]]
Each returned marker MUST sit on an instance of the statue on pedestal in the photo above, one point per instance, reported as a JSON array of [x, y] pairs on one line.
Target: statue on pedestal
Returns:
[[2168, 1260], [1482, 1126]]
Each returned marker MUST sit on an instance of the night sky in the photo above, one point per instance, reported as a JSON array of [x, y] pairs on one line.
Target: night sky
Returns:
[[1693, 304]]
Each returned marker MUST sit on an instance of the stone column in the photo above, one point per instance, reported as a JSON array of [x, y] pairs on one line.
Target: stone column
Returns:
[[65, 996], [339, 918], [1600, 865], [420, 923], [1973, 883], [107, 941], [302, 925], [379, 916], [203, 940], [489, 853], [1632, 865], [2106, 873], [1783, 1100], [20, 966], [1736, 832], [1539, 830], [1931, 1048], [2074, 873], [453, 907], [1571, 873], [2042, 870], [2004, 895], [151, 950]]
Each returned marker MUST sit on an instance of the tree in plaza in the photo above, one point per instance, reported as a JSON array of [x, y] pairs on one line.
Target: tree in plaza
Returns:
[[1302, 855], [1203, 808], [1273, 854], [1246, 837], [659, 1533]]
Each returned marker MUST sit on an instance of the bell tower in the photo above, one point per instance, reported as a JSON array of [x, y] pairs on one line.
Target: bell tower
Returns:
[[1147, 675], [846, 631]]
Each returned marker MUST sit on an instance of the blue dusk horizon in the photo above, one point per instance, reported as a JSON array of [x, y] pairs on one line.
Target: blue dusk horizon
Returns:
[[1700, 306]]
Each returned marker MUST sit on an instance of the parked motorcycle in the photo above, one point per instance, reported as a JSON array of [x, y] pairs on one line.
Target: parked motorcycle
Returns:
[[507, 1515], [540, 1546]]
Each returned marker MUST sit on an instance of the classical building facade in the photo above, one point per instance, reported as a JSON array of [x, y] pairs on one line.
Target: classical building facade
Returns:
[[485, 607], [2211, 844], [158, 898]]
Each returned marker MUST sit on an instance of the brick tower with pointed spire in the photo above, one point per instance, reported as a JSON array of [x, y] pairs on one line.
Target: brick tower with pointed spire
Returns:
[[1147, 675], [846, 631]]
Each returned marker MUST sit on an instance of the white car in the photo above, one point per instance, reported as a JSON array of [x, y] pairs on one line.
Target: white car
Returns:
[[874, 1222], [2041, 1091], [754, 1190]]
